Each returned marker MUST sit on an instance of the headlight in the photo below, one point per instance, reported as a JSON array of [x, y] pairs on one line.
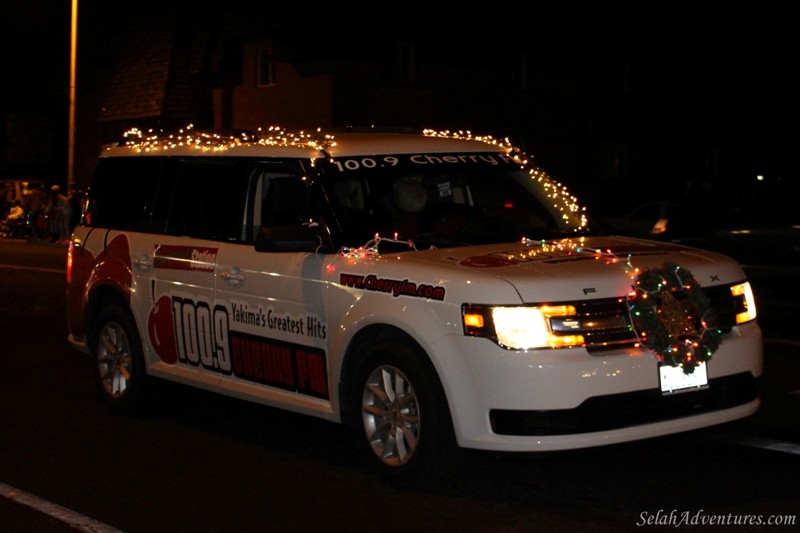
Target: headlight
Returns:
[[744, 301], [522, 327]]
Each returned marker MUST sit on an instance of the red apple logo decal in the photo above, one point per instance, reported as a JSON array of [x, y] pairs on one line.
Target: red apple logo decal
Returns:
[[486, 261], [161, 328], [117, 264]]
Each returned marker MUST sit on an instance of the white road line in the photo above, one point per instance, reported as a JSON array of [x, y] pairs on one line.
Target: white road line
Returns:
[[773, 445], [71, 518]]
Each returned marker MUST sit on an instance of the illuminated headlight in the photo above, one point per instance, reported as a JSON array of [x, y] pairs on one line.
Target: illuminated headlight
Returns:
[[744, 301], [522, 327]]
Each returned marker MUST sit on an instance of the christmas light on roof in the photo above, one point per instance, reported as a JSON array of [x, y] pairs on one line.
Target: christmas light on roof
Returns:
[[188, 137], [157, 140], [565, 202]]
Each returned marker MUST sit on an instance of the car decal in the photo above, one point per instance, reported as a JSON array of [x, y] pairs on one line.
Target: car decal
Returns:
[[168, 256], [161, 330], [279, 364], [196, 333], [120, 268], [347, 164], [111, 265], [394, 287], [487, 261], [261, 319]]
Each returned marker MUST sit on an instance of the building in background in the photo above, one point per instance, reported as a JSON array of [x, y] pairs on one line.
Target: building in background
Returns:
[[598, 122]]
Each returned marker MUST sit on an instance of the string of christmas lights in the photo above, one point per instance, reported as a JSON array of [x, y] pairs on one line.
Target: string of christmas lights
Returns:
[[188, 137], [371, 248], [665, 306], [660, 321], [562, 199]]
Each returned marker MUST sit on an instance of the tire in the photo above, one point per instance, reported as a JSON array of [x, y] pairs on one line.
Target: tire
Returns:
[[402, 417], [119, 370]]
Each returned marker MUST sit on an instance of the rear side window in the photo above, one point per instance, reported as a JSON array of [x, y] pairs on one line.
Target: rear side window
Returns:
[[121, 191], [208, 200], [203, 198]]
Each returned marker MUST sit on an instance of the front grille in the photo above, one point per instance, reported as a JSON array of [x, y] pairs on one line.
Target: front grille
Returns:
[[605, 323]]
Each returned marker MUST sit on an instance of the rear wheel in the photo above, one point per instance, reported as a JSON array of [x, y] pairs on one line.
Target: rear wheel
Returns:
[[403, 418], [118, 361]]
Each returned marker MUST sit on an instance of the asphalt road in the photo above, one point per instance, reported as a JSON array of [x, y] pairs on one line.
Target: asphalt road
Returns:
[[208, 463]]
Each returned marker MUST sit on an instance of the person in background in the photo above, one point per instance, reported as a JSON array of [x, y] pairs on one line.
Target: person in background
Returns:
[[8, 199], [75, 198], [15, 214], [59, 213], [36, 201]]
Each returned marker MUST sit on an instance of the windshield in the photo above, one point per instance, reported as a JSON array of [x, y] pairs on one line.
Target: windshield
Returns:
[[448, 200]]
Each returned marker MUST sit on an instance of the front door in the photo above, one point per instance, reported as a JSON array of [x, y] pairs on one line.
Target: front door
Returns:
[[275, 301]]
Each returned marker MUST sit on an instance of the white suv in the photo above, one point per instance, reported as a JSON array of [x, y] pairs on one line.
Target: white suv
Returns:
[[434, 290]]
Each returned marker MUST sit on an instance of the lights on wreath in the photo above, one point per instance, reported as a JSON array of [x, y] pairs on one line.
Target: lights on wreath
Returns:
[[672, 316], [669, 313]]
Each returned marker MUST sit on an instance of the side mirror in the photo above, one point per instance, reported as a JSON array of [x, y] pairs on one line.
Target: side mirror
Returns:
[[293, 238]]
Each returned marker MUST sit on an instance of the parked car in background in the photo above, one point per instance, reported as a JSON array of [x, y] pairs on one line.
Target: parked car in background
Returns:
[[649, 219], [757, 223]]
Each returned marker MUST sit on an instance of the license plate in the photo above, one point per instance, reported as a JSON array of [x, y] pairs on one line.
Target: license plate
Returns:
[[673, 379]]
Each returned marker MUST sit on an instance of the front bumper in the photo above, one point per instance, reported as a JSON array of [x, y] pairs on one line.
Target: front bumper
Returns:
[[543, 400], [616, 411]]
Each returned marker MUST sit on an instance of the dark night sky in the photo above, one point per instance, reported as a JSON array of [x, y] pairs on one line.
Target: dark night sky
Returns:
[[732, 74]]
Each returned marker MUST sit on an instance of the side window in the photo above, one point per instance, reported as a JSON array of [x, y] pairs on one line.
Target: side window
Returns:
[[266, 67], [405, 62], [208, 200], [282, 199], [285, 201], [122, 191]]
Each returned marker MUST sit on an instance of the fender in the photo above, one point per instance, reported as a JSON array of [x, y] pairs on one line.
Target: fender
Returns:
[[108, 267]]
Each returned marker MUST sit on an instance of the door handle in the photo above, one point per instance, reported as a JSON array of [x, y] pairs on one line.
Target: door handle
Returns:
[[233, 277], [143, 264]]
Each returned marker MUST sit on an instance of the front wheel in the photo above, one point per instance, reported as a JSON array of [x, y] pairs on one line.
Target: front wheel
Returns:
[[403, 417], [118, 361]]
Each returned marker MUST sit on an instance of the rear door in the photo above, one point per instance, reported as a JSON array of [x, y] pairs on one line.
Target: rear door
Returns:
[[197, 209]]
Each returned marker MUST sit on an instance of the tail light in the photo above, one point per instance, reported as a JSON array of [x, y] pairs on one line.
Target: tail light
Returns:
[[69, 261]]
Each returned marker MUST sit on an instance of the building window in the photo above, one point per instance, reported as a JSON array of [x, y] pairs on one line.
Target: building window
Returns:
[[266, 67], [519, 70], [405, 63]]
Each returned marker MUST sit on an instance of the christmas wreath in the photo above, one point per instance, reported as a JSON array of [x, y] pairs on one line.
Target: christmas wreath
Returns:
[[672, 317]]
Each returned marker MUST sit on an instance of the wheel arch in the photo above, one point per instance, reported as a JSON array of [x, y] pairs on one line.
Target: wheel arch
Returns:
[[356, 355], [100, 298], [428, 451]]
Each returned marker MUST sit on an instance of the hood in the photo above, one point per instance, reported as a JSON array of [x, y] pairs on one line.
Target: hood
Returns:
[[580, 268]]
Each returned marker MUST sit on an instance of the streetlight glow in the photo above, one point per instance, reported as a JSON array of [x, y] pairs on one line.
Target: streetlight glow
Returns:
[[73, 57]]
